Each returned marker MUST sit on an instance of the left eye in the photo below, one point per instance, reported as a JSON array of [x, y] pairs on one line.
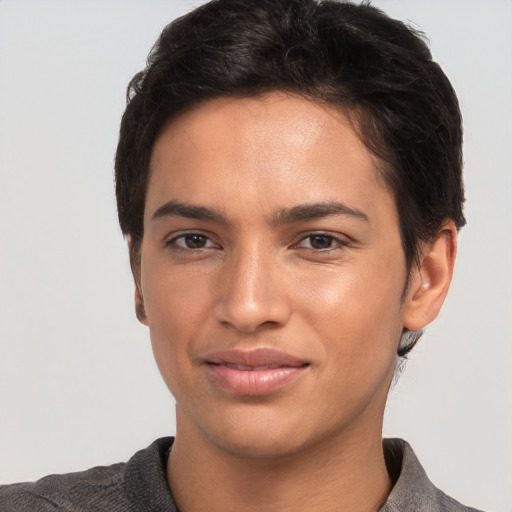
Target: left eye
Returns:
[[320, 242]]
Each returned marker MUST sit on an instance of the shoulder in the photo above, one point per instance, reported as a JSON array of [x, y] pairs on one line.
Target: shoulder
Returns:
[[62, 492], [413, 491], [119, 487]]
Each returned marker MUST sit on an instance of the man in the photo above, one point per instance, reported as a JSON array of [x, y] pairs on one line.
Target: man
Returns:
[[289, 182]]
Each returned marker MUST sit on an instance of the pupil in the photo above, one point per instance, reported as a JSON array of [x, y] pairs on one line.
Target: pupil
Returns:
[[321, 242], [195, 241]]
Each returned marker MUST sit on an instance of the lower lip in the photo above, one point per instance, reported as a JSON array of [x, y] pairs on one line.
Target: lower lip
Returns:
[[254, 382]]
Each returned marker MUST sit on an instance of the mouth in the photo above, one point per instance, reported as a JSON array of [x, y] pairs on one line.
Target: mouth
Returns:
[[245, 368], [255, 372]]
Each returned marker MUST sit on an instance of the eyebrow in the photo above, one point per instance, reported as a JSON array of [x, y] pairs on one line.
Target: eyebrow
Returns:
[[312, 211], [190, 211], [299, 213]]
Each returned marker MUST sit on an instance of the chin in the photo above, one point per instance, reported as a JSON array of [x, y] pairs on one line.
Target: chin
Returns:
[[271, 436], [254, 432], [262, 446]]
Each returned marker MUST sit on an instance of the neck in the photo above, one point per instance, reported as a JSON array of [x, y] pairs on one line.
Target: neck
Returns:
[[343, 473]]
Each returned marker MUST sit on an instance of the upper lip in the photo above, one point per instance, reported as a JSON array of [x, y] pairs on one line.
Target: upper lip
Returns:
[[259, 357]]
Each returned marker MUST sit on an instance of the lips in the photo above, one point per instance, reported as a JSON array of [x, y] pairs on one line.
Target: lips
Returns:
[[254, 372], [252, 368]]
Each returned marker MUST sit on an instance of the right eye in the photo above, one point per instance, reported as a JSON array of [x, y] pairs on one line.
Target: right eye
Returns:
[[191, 241]]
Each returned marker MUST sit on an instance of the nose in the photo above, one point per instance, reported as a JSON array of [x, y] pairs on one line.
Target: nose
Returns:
[[253, 293]]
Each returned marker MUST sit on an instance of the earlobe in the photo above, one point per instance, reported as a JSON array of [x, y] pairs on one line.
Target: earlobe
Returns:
[[430, 281]]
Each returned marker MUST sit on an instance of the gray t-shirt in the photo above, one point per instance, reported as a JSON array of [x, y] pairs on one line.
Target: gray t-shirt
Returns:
[[140, 485]]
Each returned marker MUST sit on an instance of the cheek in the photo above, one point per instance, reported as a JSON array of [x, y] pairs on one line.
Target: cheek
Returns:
[[177, 306], [357, 312], [175, 297]]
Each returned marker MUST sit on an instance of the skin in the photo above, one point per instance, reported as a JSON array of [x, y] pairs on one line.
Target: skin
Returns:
[[326, 288]]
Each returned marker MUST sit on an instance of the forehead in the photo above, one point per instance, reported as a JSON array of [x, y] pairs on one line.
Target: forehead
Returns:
[[267, 149]]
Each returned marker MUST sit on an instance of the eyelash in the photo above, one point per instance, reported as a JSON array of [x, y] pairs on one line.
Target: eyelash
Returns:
[[334, 242]]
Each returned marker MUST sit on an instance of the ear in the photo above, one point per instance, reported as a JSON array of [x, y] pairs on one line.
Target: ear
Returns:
[[430, 281], [140, 309], [135, 264]]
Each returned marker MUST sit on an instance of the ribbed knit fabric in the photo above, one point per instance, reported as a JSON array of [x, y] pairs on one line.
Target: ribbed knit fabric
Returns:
[[413, 491], [140, 485]]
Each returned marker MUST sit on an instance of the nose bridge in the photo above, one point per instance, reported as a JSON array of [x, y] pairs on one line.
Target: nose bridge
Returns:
[[252, 290]]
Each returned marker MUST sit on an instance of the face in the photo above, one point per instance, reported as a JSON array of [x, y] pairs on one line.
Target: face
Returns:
[[271, 274]]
